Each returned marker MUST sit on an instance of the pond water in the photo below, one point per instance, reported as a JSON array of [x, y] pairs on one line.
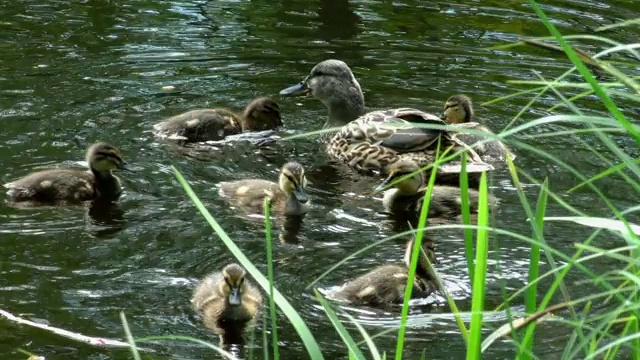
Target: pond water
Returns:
[[76, 72]]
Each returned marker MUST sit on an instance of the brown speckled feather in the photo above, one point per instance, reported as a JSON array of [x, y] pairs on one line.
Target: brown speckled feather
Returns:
[[371, 142]]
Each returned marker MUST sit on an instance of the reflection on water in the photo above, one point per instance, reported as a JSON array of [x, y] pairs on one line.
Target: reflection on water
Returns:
[[76, 72]]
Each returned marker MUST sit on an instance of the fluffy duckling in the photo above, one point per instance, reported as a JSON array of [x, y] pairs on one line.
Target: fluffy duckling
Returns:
[[227, 302], [386, 284], [215, 124], [407, 195], [73, 185], [287, 196], [458, 109]]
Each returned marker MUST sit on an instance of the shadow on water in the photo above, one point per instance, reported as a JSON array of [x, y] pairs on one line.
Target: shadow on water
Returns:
[[76, 72]]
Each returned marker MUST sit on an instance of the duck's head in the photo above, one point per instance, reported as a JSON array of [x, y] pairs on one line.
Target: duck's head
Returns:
[[458, 109], [103, 157], [292, 181], [426, 258], [262, 114], [401, 169], [333, 83], [233, 285]]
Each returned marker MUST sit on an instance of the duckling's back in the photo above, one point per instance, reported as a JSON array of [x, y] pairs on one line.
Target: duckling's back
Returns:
[[54, 185], [383, 285], [489, 151], [261, 114], [201, 125], [250, 193]]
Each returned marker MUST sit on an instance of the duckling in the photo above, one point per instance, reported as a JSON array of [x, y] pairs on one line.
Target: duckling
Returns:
[[73, 185], [407, 195], [215, 124], [458, 109], [386, 284], [227, 302], [287, 196], [373, 141]]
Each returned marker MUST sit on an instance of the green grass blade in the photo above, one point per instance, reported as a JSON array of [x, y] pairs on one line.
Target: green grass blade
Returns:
[[127, 332], [417, 247], [313, 349], [272, 305], [225, 354], [586, 74], [354, 350], [474, 350], [466, 216], [534, 265], [375, 354], [265, 340]]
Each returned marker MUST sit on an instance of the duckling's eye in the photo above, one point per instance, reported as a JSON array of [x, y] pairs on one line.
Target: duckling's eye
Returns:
[[291, 179]]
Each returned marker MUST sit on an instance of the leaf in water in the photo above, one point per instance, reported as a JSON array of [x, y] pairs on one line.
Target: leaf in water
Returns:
[[600, 223]]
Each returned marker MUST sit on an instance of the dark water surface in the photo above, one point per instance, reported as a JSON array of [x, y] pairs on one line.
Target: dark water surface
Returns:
[[73, 72]]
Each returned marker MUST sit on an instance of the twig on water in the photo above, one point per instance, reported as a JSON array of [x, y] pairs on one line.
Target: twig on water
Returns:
[[95, 341]]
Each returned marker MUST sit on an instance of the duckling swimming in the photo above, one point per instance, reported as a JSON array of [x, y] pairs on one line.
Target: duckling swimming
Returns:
[[287, 196], [215, 124], [458, 109], [373, 141], [386, 284], [407, 195], [73, 185], [227, 302]]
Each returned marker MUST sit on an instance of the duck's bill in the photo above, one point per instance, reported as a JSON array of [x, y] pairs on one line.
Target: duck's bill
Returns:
[[234, 297], [300, 195], [295, 90]]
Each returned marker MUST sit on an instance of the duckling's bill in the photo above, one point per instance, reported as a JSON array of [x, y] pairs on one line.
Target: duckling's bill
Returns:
[[300, 195], [124, 166], [298, 89], [383, 186], [234, 297]]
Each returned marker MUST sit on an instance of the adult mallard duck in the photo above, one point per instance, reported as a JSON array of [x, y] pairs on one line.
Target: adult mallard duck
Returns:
[[215, 124], [227, 302], [386, 284], [458, 109], [287, 196], [378, 139], [73, 185], [408, 192]]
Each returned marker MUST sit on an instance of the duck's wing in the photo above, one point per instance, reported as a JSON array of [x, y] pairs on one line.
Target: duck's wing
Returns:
[[399, 130]]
